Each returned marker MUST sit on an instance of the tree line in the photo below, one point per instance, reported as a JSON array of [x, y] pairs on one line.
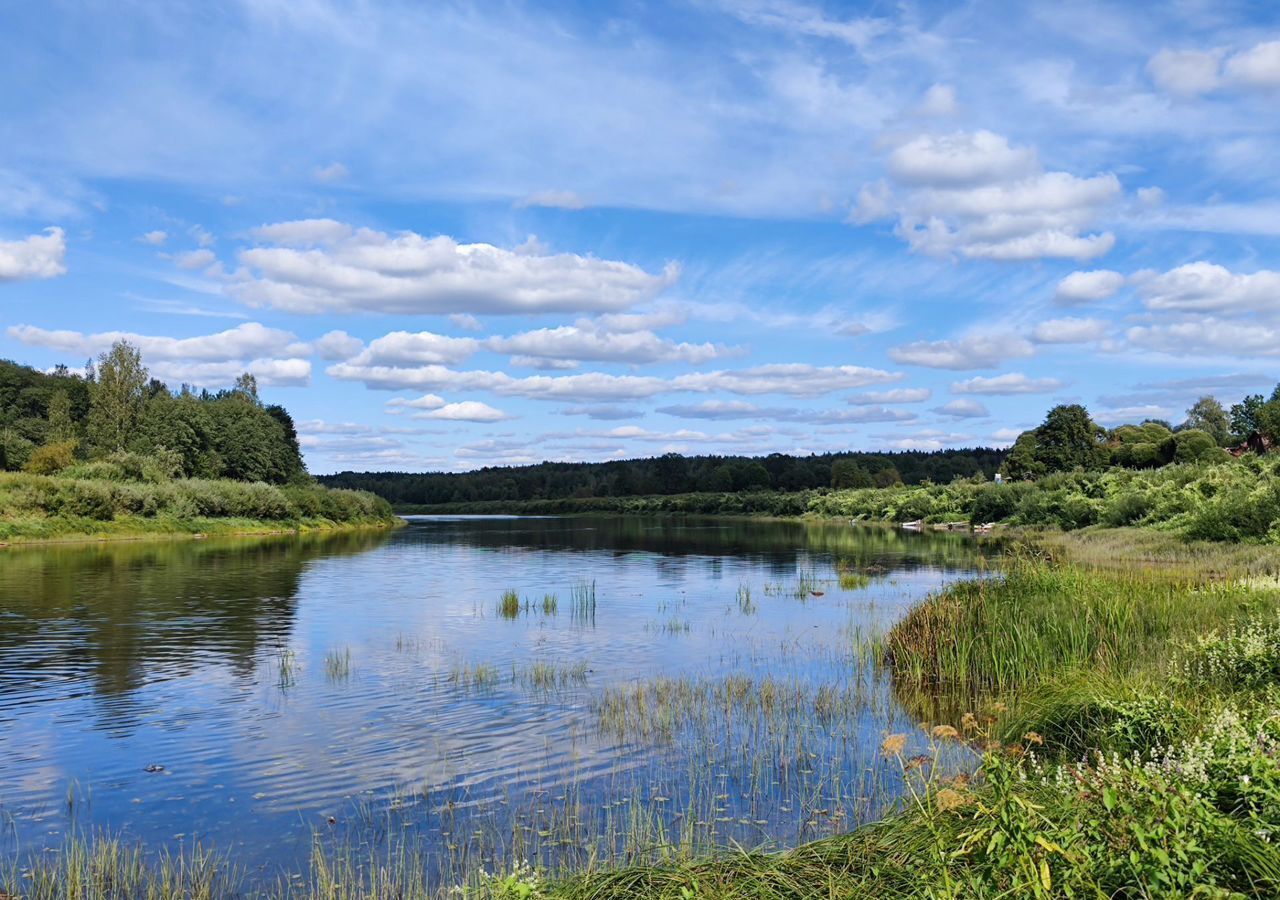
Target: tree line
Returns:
[[1069, 439], [673, 473], [114, 416]]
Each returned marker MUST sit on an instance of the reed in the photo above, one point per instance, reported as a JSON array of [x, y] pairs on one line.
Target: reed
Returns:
[[337, 664], [509, 606]]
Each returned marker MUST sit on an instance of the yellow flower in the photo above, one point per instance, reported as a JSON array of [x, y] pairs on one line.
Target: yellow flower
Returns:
[[893, 745]]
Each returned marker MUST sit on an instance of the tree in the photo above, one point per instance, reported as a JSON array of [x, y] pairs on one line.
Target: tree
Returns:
[[1069, 439], [1207, 415], [118, 397], [62, 426], [1244, 416], [1023, 463], [847, 473], [1268, 421], [888, 477], [247, 385]]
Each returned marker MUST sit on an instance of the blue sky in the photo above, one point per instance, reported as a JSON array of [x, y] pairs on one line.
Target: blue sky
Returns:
[[454, 235]]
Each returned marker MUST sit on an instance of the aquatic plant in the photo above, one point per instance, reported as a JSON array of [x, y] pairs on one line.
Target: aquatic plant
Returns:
[[509, 606]]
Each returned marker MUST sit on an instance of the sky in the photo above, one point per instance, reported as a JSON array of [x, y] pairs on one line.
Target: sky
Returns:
[[452, 235]]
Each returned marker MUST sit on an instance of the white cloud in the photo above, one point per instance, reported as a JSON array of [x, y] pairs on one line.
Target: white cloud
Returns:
[[195, 259], [961, 159], [1012, 383], [466, 411], [405, 348], [318, 266], [1207, 287], [973, 352], [201, 235], [37, 256], [1132, 414], [963, 409], [553, 200], [1186, 73], [606, 412], [155, 238], [585, 340], [1069, 331], [338, 344], [1088, 287], [896, 395], [1208, 336], [793, 379], [332, 173], [544, 363], [274, 356], [736, 409], [426, 401], [974, 194], [466, 322], [1190, 73], [1259, 66], [939, 100]]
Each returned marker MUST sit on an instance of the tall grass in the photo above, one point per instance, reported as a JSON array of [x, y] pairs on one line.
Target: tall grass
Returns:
[[1041, 621]]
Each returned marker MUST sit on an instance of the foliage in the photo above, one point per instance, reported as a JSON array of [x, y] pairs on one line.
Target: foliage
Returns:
[[117, 398], [38, 506], [1207, 415], [666, 476], [228, 434], [51, 458], [1067, 439]]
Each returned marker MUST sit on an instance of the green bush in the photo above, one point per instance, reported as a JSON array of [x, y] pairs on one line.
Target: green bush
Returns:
[[51, 458]]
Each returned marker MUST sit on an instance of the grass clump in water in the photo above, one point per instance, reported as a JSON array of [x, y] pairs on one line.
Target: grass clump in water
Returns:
[[509, 606], [337, 664]]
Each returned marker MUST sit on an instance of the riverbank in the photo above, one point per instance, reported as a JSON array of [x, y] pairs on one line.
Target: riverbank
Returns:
[[44, 509], [1120, 691], [1235, 501]]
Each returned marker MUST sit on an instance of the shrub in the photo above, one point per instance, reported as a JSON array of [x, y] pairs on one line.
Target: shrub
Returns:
[[51, 458]]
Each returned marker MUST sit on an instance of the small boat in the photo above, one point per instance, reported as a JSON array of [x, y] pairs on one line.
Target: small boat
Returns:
[[917, 525]]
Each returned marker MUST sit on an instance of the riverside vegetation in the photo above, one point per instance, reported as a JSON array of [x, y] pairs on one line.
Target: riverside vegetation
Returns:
[[112, 452]]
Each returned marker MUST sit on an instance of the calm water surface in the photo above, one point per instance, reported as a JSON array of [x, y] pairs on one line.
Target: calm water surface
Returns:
[[361, 688]]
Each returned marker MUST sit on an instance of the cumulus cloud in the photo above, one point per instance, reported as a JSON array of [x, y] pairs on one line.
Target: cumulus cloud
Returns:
[[272, 355], [963, 409], [1208, 336], [976, 195], [466, 322], [1186, 73], [466, 411], [338, 345], [1069, 331], [605, 412], [38, 256], [1012, 383], [1207, 287], [939, 100], [1088, 287], [155, 238], [1190, 73], [896, 395], [405, 348], [737, 409], [320, 265], [793, 379], [973, 352], [587, 340]]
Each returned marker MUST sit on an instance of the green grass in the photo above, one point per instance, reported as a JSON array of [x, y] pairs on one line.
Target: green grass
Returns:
[[509, 606], [49, 508]]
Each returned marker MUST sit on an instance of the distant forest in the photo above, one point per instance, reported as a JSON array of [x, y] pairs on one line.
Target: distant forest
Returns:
[[673, 474]]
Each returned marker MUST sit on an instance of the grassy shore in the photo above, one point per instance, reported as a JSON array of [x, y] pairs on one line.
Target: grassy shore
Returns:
[[36, 508], [1121, 693]]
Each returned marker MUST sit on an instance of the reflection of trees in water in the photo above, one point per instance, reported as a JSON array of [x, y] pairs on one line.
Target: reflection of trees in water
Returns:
[[118, 613], [777, 542]]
